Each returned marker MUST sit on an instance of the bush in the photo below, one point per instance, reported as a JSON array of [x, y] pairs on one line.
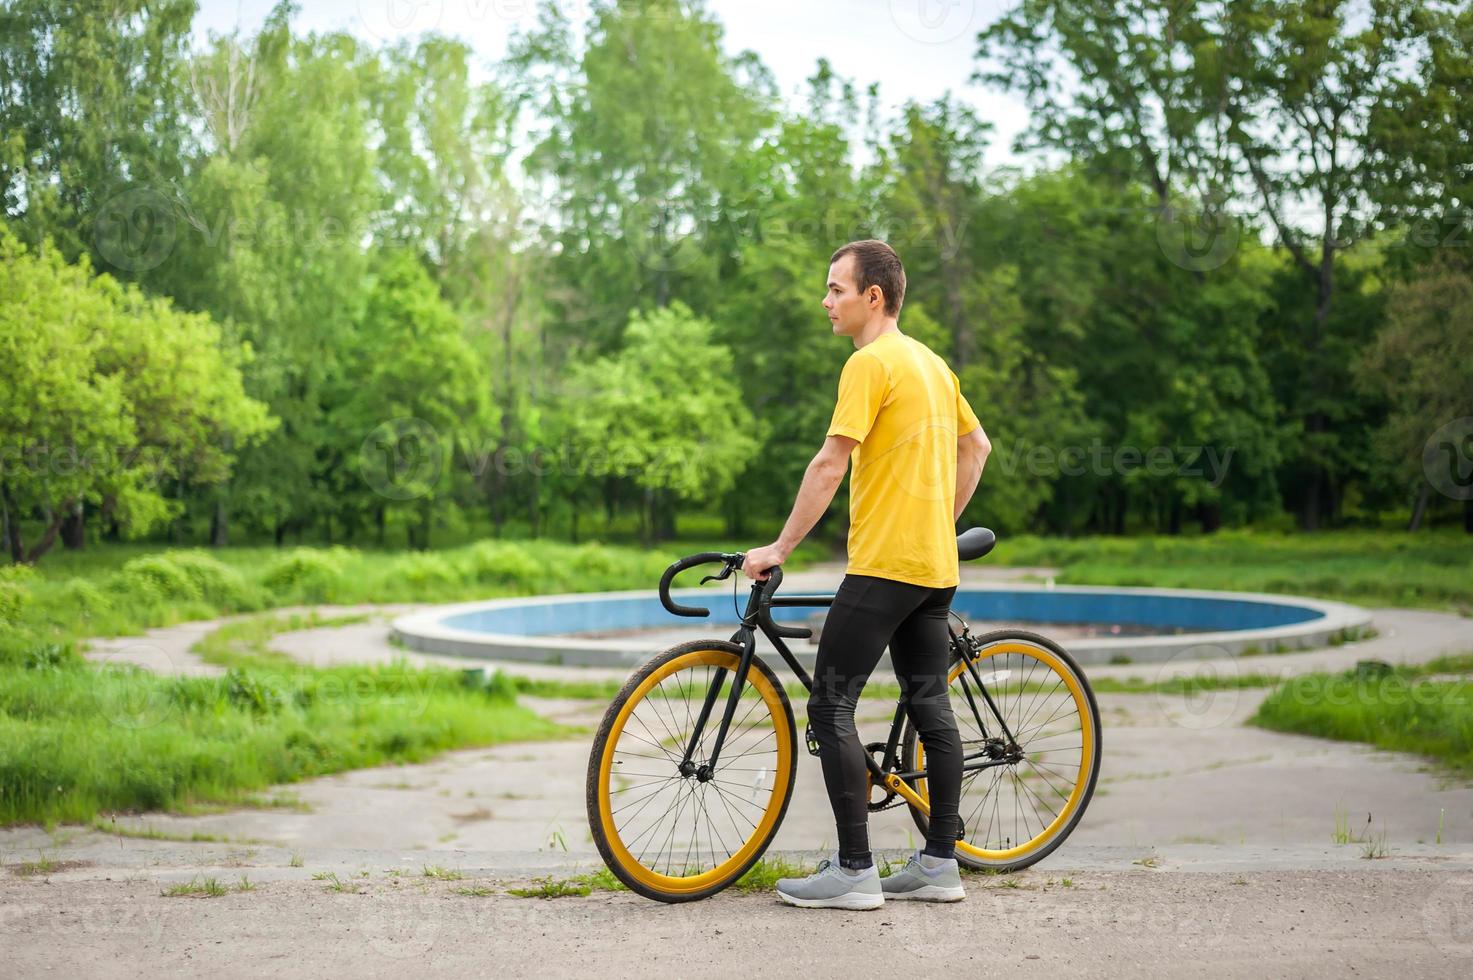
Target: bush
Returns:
[[158, 575], [425, 571], [307, 574], [492, 562], [15, 593], [594, 560], [86, 598], [216, 582]]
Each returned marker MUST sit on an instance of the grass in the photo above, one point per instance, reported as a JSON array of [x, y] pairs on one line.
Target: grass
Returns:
[[761, 877], [602, 880], [336, 884], [153, 833], [43, 865], [76, 741], [1342, 833], [1399, 711], [198, 887], [1432, 569], [441, 874], [116, 590], [550, 887], [476, 891]]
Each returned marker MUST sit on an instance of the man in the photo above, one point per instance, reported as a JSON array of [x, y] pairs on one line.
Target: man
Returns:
[[918, 452]]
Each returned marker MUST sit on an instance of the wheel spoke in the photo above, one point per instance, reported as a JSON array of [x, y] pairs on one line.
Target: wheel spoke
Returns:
[[670, 824], [1015, 804]]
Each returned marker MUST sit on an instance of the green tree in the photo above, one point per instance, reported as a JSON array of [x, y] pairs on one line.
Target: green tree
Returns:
[[809, 198], [278, 204], [932, 170], [1422, 363], [1299, 83], [110, 399], [91, 124], [409, 376], [665, 414], [647, 131]]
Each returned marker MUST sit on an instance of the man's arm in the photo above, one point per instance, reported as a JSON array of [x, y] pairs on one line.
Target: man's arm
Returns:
[[820, 482], [971, 455]]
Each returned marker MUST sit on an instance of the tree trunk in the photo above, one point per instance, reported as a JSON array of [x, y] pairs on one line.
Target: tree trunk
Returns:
[[219, 526], [535, 504], [48, 537], [1419, 510], [1309, 504], [1173, 515], [74, 528], [1468, 516], [426, 520], [664, 515], [646, 523], [1210, 516], [13, 539]]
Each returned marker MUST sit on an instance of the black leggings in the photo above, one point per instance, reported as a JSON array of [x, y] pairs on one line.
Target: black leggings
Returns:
[[868, 613]]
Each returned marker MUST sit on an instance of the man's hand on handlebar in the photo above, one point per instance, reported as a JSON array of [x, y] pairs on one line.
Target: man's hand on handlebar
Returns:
[[759, 560]]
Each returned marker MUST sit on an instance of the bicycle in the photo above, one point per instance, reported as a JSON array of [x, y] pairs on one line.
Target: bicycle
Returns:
[[679, 812]]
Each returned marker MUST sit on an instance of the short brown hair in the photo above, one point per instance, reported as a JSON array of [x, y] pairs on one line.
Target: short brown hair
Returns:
[[877, 264]]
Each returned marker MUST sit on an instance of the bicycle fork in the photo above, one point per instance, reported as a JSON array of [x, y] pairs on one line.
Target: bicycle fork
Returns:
[[706, 770]]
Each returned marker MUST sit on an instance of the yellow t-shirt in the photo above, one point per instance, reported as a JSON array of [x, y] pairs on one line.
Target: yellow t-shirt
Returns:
[[905, 406]]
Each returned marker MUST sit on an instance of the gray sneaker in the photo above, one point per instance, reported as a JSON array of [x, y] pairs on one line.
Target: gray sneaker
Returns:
[[833, 887], [918, 883]]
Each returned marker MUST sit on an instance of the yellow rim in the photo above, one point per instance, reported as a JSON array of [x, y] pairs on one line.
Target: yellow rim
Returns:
[[1086, 751], [771, 697]]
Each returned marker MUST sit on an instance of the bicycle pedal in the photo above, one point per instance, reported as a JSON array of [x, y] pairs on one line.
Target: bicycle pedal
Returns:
[[812, 741]]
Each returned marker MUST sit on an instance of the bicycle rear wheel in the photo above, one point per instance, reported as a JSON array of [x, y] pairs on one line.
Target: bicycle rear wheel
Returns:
[[1016, 814], [667, 835]]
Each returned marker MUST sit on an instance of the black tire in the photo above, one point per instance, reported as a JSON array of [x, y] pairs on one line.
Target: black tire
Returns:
[[785, 729], [910, 752]]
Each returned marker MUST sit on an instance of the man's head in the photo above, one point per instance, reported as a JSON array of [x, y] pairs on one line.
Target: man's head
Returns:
[[866, 282]]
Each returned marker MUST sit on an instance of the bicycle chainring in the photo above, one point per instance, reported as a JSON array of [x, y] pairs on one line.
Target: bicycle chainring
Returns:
[[891, 799]]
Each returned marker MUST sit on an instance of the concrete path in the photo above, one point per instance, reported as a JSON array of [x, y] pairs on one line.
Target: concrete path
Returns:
[[1208, 848]]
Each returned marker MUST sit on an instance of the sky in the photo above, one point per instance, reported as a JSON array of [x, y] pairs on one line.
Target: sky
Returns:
[[915, 49]]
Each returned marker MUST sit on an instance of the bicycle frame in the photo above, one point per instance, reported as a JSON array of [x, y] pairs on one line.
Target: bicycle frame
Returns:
[[998, 752]]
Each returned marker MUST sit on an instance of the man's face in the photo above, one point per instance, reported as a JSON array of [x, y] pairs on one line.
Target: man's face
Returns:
[[845, 304]]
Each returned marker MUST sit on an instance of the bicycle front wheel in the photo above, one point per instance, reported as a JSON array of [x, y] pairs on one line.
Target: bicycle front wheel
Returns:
[[667, 834], [1016, 813]]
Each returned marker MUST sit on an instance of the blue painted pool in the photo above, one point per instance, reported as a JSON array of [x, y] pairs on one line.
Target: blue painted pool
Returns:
[[1140, 610]]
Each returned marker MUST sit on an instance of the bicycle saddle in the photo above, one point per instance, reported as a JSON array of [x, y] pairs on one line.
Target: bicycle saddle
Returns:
[[974, 542]]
